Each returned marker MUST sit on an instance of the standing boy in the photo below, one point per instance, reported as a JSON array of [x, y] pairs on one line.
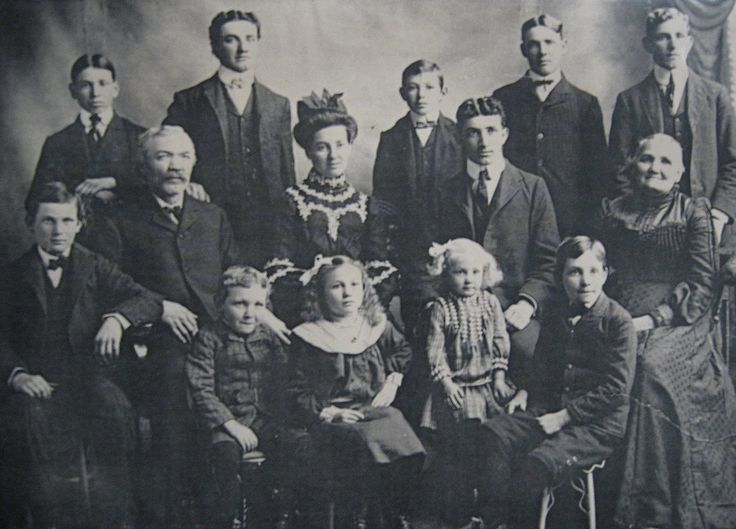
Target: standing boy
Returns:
[[242, 133], [415, 157], [555, 128]]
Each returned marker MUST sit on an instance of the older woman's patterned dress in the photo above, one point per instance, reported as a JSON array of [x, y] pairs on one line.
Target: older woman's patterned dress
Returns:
[[680, 453]]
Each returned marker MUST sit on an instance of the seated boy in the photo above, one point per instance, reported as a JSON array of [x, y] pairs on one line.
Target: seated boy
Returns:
[[63, 313], [236, 375], [577, 399], [414, 159]]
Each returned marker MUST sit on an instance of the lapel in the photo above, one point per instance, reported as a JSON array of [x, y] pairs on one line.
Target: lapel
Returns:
[[81, 269], [406, 137], [559, 94], [111, 134], [462, 196], [445, 133], [34, 274], [652, 104], [158, 216], [215, 95], [189, 213], [508, 185], [697, 103]]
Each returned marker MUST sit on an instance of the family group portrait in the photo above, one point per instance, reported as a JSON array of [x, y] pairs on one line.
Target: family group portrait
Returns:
[[337, 264]]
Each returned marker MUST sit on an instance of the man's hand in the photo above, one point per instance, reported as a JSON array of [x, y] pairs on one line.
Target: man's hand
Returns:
[[552, 423], [279, 328], [183, 322], [518, 402], [92, 186], [519, 314], [197, 191], [107, 341], [245, 437], [335, 414], [32, 385]]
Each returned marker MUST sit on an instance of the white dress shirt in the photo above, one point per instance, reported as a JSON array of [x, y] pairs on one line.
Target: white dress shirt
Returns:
[[179, 203], [423, 133], [494, 175], [238, 86], [53, 275], [679, 76], [105, 118]]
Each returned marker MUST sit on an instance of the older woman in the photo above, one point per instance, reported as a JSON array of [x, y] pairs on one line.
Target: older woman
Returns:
[[679, 462], [325, 215]]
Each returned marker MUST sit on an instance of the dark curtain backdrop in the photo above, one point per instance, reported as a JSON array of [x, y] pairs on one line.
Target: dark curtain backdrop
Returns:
[[349, 46]]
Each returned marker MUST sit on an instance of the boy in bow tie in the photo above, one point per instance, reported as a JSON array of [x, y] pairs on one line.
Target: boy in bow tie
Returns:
[[63, 313], [415, 157], [556, 129], [676, 101]]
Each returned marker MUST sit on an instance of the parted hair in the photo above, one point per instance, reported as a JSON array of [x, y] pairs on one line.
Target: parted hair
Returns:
[[52, 193], [240, 276], [661, 15], [422, 66], [223, 17], [548, 21], [481, 106], [95, 61], [574, 247], [314, 308]]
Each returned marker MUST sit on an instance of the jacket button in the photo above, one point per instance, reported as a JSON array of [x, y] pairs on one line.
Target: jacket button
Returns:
[[566, 388], [569, 366], [540, 136]]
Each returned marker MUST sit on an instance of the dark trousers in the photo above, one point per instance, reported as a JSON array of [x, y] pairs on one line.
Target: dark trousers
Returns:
[[522, 460], [41, 441]]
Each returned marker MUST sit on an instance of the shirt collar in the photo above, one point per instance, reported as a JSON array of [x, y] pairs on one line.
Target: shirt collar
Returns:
[[555, 77], [494, 169], [46, 257], [416, 118], [662, 75], [226, 75], [105, 117], [165, 205]]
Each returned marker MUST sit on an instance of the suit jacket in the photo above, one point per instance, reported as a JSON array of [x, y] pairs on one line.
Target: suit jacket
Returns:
[[66, 157], [395, 181], [562, 140], [713, 159], [98, 287], [521, 234], [197, 111], [182, 262], [589, 368]]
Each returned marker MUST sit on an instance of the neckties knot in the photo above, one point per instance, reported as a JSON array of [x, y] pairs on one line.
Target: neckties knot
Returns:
[[425, 124], [57, 263], [95, 119], [173, 210], [482, 191], [668, 91], [94, 132], [236, 83], [543, 82]]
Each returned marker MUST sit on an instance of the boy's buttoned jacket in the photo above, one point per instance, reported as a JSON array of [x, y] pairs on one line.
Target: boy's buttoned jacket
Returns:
[[587, 368], [236, 377]]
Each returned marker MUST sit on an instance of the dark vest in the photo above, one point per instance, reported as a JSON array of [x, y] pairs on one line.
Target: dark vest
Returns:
[[244, 166], [677, 125], [56, 357]]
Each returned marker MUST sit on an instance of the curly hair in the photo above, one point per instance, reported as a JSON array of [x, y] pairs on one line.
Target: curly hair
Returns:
[[240, 276], [443, 254], [370, 307], [481, 106], [322, 118]]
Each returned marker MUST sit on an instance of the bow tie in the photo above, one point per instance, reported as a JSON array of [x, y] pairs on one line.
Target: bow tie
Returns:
[[174, 210], [543, 82], [236, 83], [59, 262], [576, 310], [425, 124]]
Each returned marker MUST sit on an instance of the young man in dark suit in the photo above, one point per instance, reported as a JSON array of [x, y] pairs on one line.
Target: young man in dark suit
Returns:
[[695, 111], [242, 133], [64, 311], [510, 213], [555, 129], [94, 156], [572, 413], [177, 246], [415, 157]]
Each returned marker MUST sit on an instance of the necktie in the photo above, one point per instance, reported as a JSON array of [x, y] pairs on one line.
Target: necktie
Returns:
[[669, 93], [94, 133], [543, 82], [236, 83], [59, 262], [424, 124], [174, 210], [482, 191]]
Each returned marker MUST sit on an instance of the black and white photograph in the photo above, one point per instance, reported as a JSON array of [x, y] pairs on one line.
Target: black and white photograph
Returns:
[[350, 264]]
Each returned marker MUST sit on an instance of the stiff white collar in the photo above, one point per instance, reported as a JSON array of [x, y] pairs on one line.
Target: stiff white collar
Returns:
[[416, 118], [494, 169], [662, 75], [226, 75], [105, 119], [179, 202], [46, 256]]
